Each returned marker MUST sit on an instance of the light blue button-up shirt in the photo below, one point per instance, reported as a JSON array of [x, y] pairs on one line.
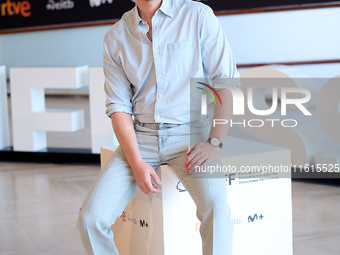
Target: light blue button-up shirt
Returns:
[[151, 80]]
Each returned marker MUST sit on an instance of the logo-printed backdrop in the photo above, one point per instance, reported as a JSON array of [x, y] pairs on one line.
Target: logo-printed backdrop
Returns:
[[27, 13]]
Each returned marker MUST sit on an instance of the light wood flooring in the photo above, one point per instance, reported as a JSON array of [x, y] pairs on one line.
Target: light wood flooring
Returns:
[[39, 205]]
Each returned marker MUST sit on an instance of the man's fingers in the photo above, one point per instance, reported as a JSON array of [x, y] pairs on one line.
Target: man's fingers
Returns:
[[196, 162], [145, 189], [186, 163], [202, 155], [205, 163], [191, 164], [191, 156], [190, 159], [142, 188], [151, 189], [192, 169], [188, 150], [155, 177]]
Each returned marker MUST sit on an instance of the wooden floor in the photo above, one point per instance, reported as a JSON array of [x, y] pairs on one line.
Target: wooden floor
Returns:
[[316, 219], [39, 205]]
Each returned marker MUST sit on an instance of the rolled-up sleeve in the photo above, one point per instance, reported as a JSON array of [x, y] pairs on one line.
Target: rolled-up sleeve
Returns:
[[117, 86], [217, 56]]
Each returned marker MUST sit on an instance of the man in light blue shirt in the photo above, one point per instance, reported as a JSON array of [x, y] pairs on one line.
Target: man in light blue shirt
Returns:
[[150, 79], [150, 55]]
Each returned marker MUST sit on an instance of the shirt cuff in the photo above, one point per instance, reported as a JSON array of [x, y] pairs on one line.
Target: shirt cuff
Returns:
[[112, 108], [227, 81]]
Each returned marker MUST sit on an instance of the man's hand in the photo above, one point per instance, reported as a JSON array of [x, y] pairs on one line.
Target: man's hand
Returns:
[[200, 154], [143, 173]]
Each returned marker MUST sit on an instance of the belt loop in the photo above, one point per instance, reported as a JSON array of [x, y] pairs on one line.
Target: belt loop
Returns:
[[139, 123]]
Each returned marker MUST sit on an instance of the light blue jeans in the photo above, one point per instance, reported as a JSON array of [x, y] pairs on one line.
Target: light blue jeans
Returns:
[[115, 186]]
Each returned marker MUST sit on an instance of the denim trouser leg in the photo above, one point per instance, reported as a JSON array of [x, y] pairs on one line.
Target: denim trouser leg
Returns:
[[213, 211], [209, 194], [111, 191], [115, 186]]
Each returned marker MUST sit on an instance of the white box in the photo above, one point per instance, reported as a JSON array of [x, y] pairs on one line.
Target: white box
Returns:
[[165, 223]]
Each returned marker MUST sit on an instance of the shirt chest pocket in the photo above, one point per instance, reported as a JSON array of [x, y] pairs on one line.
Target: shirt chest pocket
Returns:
[[183, 57]]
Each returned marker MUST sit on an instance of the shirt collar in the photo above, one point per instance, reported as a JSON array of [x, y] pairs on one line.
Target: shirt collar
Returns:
[[166, 8], [135, 18]]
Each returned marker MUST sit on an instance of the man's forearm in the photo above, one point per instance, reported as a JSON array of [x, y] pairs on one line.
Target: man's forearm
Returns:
[[222, 112], [123, 126]]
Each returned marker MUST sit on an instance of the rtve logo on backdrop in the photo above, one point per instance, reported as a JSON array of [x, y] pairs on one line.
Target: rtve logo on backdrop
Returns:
[[10, 8]]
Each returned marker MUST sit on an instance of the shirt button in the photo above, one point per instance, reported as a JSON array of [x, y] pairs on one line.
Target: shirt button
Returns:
[[159, 75], [156, 50], [157, 117], [160, 95]]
